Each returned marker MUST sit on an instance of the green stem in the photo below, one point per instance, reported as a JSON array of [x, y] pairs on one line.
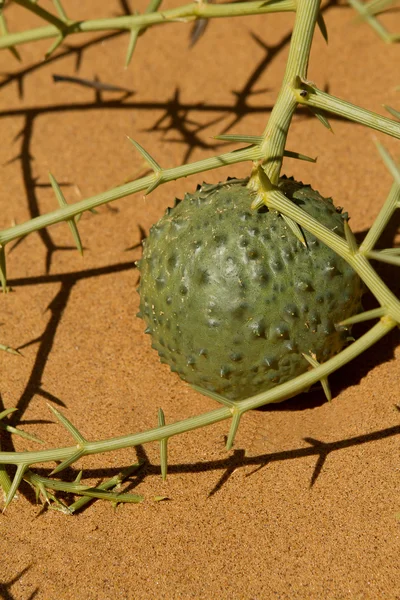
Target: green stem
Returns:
[[189, 12], [42, 13], [5, 482], [382, 219], [99, 491], [67, 212], [281, 392], [358, 260], [277, 128], [323, 101], [367, 12]]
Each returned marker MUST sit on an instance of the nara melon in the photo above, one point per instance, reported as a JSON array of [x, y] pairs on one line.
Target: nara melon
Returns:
[[232, 299]]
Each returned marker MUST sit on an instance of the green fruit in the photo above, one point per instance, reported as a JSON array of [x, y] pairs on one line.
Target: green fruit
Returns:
[[232, 298]]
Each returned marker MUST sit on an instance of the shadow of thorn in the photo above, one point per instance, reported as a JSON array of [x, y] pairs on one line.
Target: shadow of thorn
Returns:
[[321, 450], [46, 339], [5, 591]]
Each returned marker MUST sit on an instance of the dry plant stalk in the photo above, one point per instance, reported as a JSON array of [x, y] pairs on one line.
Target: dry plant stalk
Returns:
[[265, 153]]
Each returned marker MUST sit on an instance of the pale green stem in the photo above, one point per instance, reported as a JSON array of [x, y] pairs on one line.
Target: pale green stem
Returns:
[[42, 13], [100, 491], [323, 101], [190, 12], [367, 12], [283, 391], [382, 219], [60, 9], [384, 256], [5, 482], [277, 128], [357, 260], [67, 212], [377, 6]]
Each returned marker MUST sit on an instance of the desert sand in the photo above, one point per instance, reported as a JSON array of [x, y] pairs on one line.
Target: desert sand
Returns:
[[306, 504]]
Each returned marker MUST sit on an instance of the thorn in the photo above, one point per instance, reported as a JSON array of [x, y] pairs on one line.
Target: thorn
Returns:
[[295, 229], [3, 269], [383, 257], [41, 490], [322, 26], [10, 350], [4, 31], [23, 434], [311, 358], [388, 160], [131, 45], [375, 313], [71, 222], [61, 11], [68, 425], [236, 416], [350, 239], [197, 31], [6, 412], [54, 46], [163, 446], [37, 493], [298, 156], [149, 159], [15, 484], [265, 180], [392, 111], [68, 462], [321, 117], [214, 395], [152, 163], [154, 185], [241, 139]]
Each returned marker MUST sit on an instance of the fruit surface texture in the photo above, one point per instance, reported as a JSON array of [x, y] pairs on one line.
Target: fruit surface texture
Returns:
[[232, 299]]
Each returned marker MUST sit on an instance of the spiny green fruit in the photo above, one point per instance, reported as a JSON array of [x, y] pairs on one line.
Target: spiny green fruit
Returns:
[[232, 298]]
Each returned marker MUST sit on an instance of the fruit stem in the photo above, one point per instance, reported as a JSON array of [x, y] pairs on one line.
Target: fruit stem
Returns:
[[276, 131]]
